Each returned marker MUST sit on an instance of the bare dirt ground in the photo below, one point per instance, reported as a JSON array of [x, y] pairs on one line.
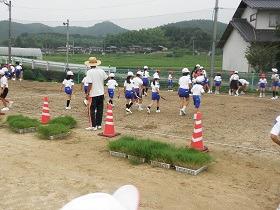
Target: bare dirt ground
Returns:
[[37, 174]]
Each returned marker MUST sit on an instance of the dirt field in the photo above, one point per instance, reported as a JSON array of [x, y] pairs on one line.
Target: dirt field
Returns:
[[37, 174]]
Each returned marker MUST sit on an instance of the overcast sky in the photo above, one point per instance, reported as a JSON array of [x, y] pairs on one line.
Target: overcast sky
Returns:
[[130, 14]]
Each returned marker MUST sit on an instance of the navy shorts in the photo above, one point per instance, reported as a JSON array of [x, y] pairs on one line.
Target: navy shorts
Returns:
[[137, 93], [262, 85], [155, 96], [218, 83], [85, 89], [183, 93], [111, 93], [170, 83], [129, 94], [196, 101], [145, 82], [68, 90], [275, 84]]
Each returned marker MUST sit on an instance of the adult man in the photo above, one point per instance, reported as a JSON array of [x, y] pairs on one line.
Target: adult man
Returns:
[[275, 132], [95, 93]]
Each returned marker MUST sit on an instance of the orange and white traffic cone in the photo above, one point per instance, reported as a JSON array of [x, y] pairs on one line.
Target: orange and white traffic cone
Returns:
[[109, 129], [197, 137], [46, 112]]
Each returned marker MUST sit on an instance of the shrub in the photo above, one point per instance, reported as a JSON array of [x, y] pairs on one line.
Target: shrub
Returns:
[[21, 122], [52, 130], [65, 120]]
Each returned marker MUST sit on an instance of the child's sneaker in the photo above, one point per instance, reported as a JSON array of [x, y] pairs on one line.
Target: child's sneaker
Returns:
[[273, 98], [10, 104], [85, 102], [181, 114], [148, 110], [5, 109], [99, 127], [158, 111], [128, 111], [183, 111], [68, 107]]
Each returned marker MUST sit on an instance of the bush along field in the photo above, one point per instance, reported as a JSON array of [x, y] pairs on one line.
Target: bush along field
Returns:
[[160, 154], [22, 124]]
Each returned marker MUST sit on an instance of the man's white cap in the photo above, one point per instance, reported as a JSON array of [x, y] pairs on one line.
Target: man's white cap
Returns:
[[197, 65], [199, 79], [70, 73], [185, 70], [156, 76], [125, 198], [201, 67], [235, 72], [130, 73], [139, 73], [146, 67], [111, 75], [274, 70], [2, 72]]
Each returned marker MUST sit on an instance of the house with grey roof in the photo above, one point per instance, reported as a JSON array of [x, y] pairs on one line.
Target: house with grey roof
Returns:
[[254, 21]]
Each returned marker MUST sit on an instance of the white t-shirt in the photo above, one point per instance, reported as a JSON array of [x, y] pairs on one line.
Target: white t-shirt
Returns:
[[276, 129], [138, 82], [170, 77], [184, 82], [96, 77], [234, 77], [68, 83], [5, 69], [129, 86], [4, 82], [197, 90], [146, 74], [155, 87], [18, 67], [13, 69], [244, 82], [156, 75], [263, 81], [275, 77], [85, 82], [112, 84], [218, 78]]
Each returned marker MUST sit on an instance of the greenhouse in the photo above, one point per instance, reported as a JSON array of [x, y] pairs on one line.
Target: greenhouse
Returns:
[[23, 52]]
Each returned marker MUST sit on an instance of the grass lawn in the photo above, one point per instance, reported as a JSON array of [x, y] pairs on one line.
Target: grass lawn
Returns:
[[139, 60]]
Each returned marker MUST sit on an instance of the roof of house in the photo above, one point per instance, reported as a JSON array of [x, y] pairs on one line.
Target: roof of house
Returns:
[[263, 4], [248, 33]]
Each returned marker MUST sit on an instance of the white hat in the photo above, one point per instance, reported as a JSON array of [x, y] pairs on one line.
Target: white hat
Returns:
[[139, 73], [185, 70], [274, 70], [197, 65], [2, 72], [111, 75], [156, 76], [199, 79], [235, 72], [125, 198], [146, 67], [70, 73], [130, 73], [201, 67]]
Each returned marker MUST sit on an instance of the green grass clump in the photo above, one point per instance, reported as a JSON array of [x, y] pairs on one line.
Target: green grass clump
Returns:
[[161, 152], [65, 120], [21, 122], [52, 130]]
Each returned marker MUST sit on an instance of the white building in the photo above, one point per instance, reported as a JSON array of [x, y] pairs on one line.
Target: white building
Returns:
[[254, 21]]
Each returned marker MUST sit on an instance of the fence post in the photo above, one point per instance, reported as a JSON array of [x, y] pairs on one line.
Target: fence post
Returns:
[[47, 66], [253, 77], [32, 65]]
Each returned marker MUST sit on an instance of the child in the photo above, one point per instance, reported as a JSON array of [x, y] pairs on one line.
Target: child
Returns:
[[234, 81], [146, 81], [170, 82], [242, 86], [218, 83], [155, 94], [262, 85], [184, 90], [275, 83], [18, 72], [197, 90], [112, 84], [85, 88], [128, 92], [68, 84], [138, 85], [4, 91], [205, 83]]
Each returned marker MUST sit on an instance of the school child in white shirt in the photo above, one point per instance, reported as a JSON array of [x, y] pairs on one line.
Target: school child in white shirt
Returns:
[[112, 84], [184, 90], [129, 92], [155, 94], [197, 90], [234, 84], [146, 81], [218, 83], [170, 82], [262, 85], [275, 83], [138, 86], [84, 87], [4, 91], [68, 84]]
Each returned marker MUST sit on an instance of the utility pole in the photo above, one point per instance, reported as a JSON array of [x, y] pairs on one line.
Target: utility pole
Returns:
[[9, 4], [193, 46], [214, 42], [67, 42]]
